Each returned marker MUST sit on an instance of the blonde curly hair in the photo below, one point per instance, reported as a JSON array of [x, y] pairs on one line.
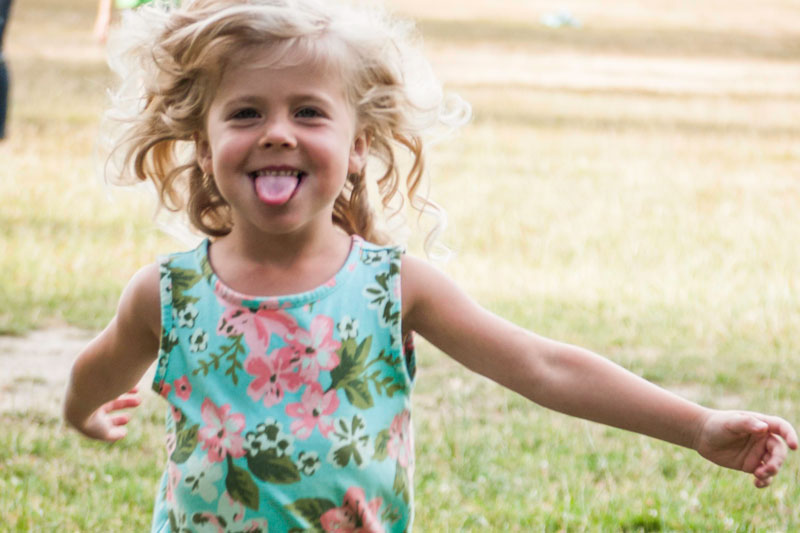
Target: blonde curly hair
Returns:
[[171, 60]]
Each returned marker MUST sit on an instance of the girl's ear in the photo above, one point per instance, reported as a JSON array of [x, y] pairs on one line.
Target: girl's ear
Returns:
[[358, 153], [203, 152]]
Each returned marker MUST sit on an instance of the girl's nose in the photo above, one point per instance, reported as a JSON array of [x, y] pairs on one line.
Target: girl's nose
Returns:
[[278, 133]]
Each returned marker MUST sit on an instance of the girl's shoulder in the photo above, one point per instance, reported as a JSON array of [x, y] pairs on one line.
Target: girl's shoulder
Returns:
[[140, 304], [423, 287]]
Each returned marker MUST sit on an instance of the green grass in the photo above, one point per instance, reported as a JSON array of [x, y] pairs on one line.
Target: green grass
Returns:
[[630, 187]]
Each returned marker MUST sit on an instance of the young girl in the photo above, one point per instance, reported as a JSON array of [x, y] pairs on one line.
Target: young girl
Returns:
[[283, 343]]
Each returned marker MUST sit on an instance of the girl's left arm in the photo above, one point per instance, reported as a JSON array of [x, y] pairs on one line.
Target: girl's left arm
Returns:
[[580, 383], [105, 374]]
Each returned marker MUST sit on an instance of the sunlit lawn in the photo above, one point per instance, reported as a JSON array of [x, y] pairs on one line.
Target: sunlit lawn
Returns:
[[630, 186]]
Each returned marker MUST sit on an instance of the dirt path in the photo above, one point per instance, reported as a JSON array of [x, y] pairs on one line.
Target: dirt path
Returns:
[[34, 368]]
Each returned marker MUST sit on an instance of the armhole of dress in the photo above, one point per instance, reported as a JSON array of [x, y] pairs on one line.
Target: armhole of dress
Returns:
[[407, 349], [165, 296]]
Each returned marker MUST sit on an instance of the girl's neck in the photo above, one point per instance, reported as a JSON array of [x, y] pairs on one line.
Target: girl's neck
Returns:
[[275, 265]]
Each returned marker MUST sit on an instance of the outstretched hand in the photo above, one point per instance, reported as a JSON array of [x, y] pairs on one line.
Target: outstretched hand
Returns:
[[108, 423], [746, 441]]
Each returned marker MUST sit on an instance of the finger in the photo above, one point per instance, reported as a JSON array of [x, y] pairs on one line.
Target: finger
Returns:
[[762, 483], [120, 419], [773, 458], [115, 434], [746, 423], [781, 427], [123, 402]]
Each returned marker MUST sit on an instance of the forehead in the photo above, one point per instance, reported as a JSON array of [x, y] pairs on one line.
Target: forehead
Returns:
[[294, 60], [269, 70]]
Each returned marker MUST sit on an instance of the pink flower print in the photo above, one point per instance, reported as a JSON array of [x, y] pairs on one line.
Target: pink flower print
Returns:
[[166, 388], [173, 478], [257, 326], [356, 515], [183, 389], [314, 408], [222, 434], [273, 374], [171, 443], [331, 282], [316, 348], [401, 440]]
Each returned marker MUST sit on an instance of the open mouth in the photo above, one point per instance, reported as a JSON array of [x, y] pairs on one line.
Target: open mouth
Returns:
[[276, 187]]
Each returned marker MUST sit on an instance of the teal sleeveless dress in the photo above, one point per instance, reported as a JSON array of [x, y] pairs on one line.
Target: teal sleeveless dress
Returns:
[[287, 413]]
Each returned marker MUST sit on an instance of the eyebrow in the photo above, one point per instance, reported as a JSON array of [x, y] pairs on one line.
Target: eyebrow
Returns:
[[248, 98]]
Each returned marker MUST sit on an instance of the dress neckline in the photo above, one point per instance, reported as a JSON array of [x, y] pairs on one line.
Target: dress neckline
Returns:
[[232, 296]]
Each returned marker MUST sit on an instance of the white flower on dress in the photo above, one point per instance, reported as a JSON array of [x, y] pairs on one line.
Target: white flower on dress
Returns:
[[198, 341], [165, 282], [348, 328], [202, 477], [187, 316], [350, 443], [229, 517], [268, 436], [308, 462]]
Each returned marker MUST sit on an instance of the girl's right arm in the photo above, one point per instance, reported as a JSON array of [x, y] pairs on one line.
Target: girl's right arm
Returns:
[[114, 362], [580, 383]]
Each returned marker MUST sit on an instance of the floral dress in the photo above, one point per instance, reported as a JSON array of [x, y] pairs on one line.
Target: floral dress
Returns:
[[289, 413]]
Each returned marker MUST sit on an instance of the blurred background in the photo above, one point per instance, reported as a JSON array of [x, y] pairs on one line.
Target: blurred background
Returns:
[[628, 182]]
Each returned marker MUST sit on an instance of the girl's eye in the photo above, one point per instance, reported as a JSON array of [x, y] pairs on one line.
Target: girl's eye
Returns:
[[308, 112], [245, 114]]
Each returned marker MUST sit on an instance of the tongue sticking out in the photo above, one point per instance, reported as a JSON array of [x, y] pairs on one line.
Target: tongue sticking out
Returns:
[[276, 190]]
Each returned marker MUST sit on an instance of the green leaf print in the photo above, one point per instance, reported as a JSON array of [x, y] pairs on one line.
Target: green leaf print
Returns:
[[351, 374], [341, 456], [241, 486], [169, 339], [178, 526], [347, 376], [230, 353], [386, 385], [380, 298], [391, 514], [267, 466], [311, 510], [358, 394], [352, 360], [382, 445], [394, 268], [205, 266], [401, 483], [182, 281], [187, 442]]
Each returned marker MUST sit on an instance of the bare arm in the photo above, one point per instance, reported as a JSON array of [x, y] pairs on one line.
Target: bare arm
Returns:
[[577, 382], [115, 361], [102, 20]]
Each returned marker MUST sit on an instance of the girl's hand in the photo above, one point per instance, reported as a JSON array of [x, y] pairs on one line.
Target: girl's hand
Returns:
[[750, 442], [107, 423]]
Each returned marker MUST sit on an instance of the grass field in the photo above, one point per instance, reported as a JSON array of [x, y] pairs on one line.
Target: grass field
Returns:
[[630, 186]]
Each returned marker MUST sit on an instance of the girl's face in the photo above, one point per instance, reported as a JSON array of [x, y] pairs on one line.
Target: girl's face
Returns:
[[280, 143]]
